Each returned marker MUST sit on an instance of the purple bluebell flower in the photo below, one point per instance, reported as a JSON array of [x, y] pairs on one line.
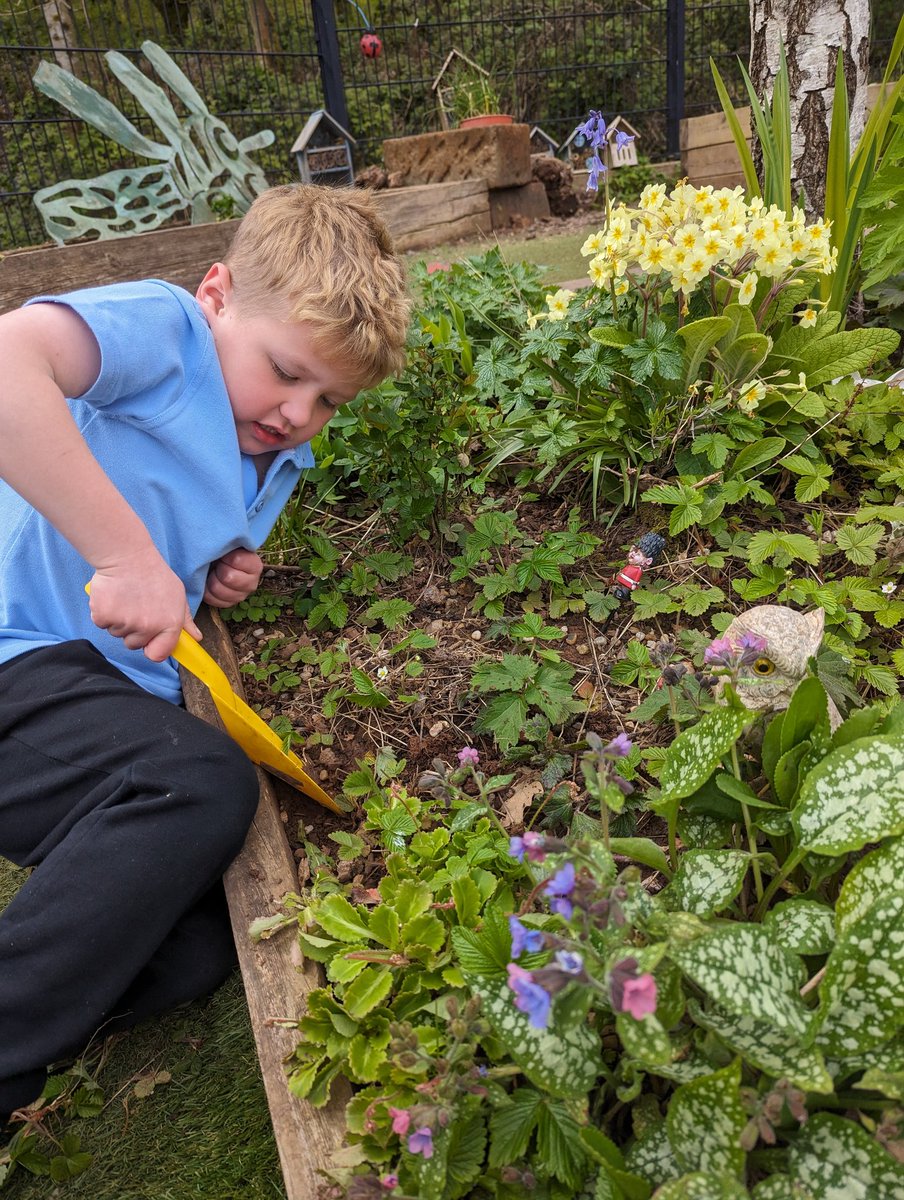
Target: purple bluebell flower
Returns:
[[595, 167], [524, 938], [623, 139], [468, 755], [530, 998], [593, 129], [619, 747], [421, 1142], [560, 888]]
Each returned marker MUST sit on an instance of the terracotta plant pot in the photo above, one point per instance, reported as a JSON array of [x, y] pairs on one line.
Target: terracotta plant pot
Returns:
[[485, 119]]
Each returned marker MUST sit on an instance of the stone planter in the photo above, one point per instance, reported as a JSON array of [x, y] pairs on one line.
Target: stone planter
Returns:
[[500, 154]]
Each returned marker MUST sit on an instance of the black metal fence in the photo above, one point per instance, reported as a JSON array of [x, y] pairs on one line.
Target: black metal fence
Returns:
[[269, 63]]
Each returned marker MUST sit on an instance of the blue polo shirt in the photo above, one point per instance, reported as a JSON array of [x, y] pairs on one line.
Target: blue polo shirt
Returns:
[[158, 420]]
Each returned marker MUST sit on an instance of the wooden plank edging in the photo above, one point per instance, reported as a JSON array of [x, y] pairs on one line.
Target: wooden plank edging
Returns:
[[275, 980]]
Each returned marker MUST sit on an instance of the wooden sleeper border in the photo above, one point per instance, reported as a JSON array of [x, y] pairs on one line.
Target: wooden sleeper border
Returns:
[[276, 981]]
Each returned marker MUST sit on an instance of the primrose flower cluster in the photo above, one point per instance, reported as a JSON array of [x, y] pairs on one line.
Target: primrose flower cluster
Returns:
[[683, 237], [574, 894]]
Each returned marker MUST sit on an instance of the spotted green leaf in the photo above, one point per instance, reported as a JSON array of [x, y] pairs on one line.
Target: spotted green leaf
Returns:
[[879, 872], [763, 1045], [706, 881], [862, 994], [780, 1187], [802, 926], [651, 1156], [702, 1185], [746, 973], [695, 753], [705, 1121], [644, 1040], [564, 1061], [854, 796], [836, 1159]]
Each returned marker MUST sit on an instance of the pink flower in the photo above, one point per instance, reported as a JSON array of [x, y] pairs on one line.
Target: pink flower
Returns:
[[401, 1119], [639, 997], [437, 266], [632, 993], [421, 1142], [389, 1182], [468, 755]]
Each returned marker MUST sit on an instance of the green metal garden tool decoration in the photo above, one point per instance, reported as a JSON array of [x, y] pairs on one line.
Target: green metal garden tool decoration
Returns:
[[199, 161]]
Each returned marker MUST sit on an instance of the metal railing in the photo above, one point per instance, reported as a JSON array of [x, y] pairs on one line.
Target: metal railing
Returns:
[[270, 63]]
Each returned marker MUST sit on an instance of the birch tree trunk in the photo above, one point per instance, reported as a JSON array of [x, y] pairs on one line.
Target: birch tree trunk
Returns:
[[60, 26], [813, 32]]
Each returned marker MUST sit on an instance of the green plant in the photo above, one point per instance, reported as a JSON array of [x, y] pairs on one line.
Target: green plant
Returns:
[[855, 181], [473, 95], [522, 1014]]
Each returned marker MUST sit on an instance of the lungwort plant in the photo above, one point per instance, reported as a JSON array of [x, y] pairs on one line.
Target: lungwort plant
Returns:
[[590, 1016]]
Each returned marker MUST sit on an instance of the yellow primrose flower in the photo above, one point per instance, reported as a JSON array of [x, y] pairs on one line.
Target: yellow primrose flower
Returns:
[[653, 196], [533, 318], [600, 271], [621, 287], [558, 302], [747, 290], [750, 395], [807, 318], [653, 258], [593, 244]]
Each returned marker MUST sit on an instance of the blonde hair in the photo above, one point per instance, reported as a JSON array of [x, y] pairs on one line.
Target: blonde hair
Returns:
[[326, 254]]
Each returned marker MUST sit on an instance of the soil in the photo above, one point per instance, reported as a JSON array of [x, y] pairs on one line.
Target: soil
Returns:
[[440, 721]]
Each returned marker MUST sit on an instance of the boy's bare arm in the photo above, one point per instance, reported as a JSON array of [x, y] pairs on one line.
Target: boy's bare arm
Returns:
[[49, 353]]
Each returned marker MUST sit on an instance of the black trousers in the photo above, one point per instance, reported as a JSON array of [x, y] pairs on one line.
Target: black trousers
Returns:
[[130, 809]]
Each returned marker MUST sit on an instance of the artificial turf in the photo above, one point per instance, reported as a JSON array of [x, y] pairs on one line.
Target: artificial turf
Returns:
[[204, 1135]]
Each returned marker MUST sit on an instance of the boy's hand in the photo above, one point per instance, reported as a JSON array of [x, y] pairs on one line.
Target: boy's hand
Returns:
[[233, 578], [143, 602]]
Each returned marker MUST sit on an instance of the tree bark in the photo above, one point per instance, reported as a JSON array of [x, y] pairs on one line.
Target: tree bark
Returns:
[[813, 33], [263, 31], [60, 26]]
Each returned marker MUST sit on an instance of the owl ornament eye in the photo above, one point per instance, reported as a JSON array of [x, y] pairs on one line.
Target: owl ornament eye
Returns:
[[763, 666]]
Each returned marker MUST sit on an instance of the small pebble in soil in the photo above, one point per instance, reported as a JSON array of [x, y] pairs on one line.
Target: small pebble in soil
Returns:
[[436, 626], [436, 730], [602, 640], [583, 648], [571, 638], [476, 635], [309, 828], [323, 775], [258, 633]]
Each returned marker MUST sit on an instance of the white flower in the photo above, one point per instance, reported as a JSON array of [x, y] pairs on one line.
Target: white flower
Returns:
[[382, 672], [807, 318], [889, 588]]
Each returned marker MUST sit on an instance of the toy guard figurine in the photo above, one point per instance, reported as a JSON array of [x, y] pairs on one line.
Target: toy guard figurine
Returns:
[[645, 553]]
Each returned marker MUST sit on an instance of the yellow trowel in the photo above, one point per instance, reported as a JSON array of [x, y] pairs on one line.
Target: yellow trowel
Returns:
[[244, 726]]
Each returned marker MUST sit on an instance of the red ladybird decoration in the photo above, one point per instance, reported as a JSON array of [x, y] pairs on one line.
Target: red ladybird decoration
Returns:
[[371, 45]]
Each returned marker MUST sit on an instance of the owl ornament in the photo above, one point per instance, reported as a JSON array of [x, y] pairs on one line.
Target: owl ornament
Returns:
[[791, 639]]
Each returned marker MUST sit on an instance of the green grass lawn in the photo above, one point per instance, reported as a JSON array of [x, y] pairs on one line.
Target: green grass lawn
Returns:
[[558, 254]]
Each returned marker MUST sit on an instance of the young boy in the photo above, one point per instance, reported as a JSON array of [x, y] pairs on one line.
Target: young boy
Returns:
[[148, 441]]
